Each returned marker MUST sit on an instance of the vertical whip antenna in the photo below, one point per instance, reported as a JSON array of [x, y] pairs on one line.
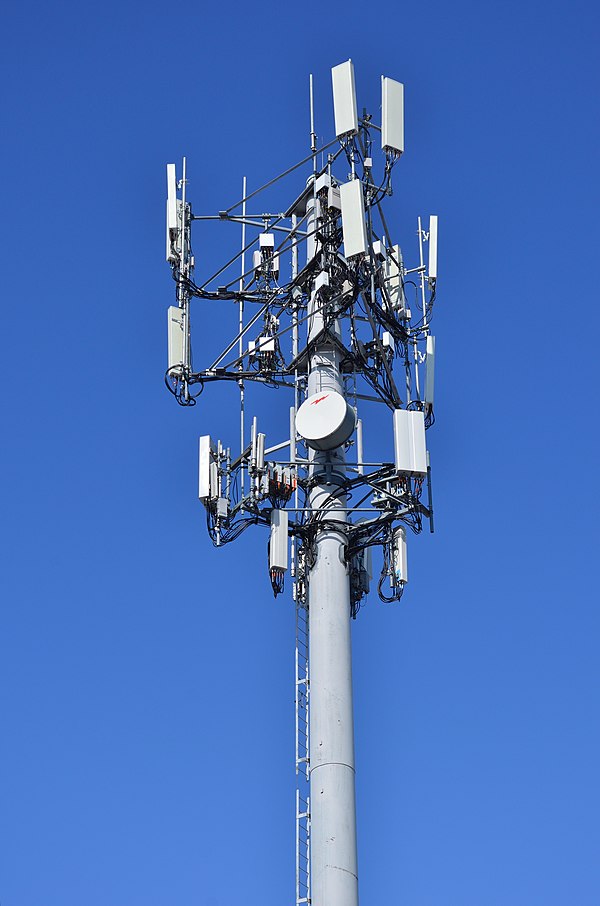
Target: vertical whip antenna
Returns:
[[313, 134]]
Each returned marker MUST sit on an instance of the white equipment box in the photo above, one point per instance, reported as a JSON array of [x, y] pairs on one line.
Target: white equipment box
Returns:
[[409, 442], [266, 241], [333, 198]]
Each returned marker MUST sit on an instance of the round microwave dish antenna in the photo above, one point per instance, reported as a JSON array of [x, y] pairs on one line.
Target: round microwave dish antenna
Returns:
[[325, 420]]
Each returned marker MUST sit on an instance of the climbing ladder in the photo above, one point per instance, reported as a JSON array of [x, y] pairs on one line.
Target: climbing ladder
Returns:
[[302, 691], [302, 849], [302, 757]]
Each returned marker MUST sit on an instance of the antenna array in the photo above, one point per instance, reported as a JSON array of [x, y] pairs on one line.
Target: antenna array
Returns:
[[338, 332]]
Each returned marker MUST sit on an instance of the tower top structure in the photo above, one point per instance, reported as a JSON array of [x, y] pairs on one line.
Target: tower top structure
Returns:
[[328, 311]]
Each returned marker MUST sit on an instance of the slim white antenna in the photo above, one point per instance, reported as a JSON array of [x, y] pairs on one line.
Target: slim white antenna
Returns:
[[171, 212], [422, 273], [171, 197], [359, 446], [344, 99], [183, 180], [185, 268], [392, 115], [353, 218], [433, 243]]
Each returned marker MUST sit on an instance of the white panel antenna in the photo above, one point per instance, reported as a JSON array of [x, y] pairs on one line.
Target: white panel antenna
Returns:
[[353, 218], [171, 197], [278, 545], [433, 241], [171, 211], [393, 269], [176, 336], [205, 462], [392, 115], [409, 442], [429, 370], [260, 452], [344, 99]]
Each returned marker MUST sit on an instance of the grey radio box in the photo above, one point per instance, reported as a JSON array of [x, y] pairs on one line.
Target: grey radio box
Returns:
[[409, 442], [333, 198]]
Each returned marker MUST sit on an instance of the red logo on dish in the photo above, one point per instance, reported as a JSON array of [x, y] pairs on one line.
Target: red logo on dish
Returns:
[[320, 400]]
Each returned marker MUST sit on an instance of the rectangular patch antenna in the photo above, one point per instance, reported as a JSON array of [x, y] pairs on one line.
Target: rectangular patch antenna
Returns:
[[392, 115], [353, 218], [429, 370], [344, 99], [176, 336], [206, 454], [433, 238], [393, 281], [171, 197], [409, 442], [171, 210], [278, 547]]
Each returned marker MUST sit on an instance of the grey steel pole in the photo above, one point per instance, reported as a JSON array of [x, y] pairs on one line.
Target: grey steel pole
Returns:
[[334, 871]]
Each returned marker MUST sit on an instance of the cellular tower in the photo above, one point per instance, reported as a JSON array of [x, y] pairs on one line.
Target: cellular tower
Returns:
[[326, 308]]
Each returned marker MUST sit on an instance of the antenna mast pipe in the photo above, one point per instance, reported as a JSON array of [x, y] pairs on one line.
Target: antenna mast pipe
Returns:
[[334, 866], [241, 330]]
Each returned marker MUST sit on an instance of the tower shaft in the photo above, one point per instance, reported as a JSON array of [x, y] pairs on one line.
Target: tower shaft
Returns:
[[334, 871]]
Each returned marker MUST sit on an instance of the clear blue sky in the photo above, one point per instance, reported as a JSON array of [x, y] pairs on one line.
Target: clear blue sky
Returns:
[[147, 680]]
